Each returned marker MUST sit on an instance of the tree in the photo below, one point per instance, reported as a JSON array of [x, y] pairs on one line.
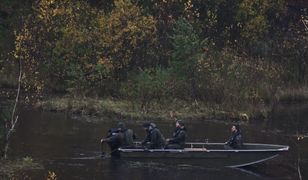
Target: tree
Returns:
[[256, 17], [73, 46], [148, 85], [10, 126], [165, 13], [188, 49], [128, 37], [57, 45]]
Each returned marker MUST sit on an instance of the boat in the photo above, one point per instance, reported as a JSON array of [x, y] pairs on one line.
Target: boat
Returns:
[[207, 154]]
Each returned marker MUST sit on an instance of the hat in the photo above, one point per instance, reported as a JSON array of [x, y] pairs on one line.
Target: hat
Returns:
[[181, 123], [121, 126], [146, 125]]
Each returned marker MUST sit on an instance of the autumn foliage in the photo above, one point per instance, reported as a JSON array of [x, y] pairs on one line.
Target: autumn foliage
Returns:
[[218, 51], [71, 46]]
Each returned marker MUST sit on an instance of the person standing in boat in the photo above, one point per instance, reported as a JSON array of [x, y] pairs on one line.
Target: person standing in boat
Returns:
[[179, 137], [235, 141], [118, 137], [154, 138]]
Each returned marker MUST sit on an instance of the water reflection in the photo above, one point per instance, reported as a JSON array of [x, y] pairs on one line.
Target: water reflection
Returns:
[[122, 169], [69, 147]]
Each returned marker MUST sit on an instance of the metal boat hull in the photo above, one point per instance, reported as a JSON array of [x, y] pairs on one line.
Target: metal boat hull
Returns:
[[208, 154]]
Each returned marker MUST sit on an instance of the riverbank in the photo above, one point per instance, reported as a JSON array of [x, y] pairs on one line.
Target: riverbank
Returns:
[[133, 109], [183, 109], [160, 109], [10, 168]]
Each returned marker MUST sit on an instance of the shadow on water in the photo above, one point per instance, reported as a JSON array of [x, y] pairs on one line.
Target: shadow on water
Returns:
[[69, 147]]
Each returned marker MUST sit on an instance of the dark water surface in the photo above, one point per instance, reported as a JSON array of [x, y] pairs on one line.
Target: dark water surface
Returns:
[[69, 147]]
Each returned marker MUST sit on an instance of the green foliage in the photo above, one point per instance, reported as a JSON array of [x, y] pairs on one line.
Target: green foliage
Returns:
[[292, 54], [166, 14], [7, 2], [126, 38], [223, 76], [188, 49], [10, 14], [219, 51], [256, 17], [187, 44], [147, 85], [73, 45]]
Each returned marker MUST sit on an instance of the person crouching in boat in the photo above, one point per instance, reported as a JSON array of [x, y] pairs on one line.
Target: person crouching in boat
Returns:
[[154, 138], [128, 136], [179, 137], [235, 141], [118, 137]]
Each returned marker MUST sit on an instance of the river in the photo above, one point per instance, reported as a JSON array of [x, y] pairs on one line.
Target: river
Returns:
[[68, 146]]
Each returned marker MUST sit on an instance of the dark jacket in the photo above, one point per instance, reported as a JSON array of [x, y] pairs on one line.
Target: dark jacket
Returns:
[[179, 136], [154, 138], [114, 139], [128, 138], [235, 140], [119, 137]]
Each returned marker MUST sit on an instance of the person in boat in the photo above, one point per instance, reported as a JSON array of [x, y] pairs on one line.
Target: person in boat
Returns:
[[118, 137], [128, 136], [179, 137], [154, 138], [235, 141]]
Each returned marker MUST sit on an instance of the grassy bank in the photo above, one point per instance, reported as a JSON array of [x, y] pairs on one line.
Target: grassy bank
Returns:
[[10, 169], [134, 109], [299, 94]]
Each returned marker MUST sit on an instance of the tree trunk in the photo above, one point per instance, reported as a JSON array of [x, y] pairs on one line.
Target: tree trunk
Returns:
[[14, 118]]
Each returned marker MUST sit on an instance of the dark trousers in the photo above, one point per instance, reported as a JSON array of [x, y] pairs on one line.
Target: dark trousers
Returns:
[[226, 146], [174, 146], [113, 148]]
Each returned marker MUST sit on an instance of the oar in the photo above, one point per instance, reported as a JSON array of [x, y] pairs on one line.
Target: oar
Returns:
[[102, 148]]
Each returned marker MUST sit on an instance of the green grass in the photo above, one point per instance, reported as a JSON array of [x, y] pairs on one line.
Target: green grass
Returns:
[[8, 168], [134, 110], [294, 94]]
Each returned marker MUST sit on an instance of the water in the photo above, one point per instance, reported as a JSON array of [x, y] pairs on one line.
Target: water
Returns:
[[69, 147]]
